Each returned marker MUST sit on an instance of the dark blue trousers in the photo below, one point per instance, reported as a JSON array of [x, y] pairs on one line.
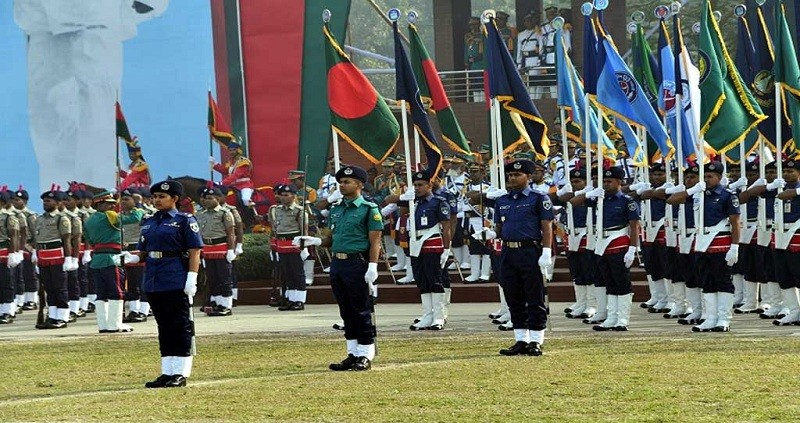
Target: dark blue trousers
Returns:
[[108, 281], [617, 277], [54, 280], [133, 289], [715, 274], [427, 272], [352, 295], [218, 274], [523, 286], [6, 285], [175, 329], [581, 266]]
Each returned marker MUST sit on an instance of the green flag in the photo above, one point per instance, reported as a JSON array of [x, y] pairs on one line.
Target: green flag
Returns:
[[643, 64], [787, 73], [728, 111], [432, 92], [358, 113]]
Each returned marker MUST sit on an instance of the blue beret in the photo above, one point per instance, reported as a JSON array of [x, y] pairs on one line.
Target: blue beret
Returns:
[[215, 191], [354, 172], [791, 164], [421, 175], [577, 173], [520, 165], [614, 172], [715, 167], [751, 167], [61, 195], [692, 169], [281, 188], [5, 196], [658, 167], [168, 187], [21, 193]]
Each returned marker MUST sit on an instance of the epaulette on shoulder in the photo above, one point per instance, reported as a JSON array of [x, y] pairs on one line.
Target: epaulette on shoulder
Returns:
[[370, 203], [187, 215]]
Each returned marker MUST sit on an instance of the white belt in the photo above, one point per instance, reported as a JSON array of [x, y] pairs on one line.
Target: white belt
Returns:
[[242, 180]]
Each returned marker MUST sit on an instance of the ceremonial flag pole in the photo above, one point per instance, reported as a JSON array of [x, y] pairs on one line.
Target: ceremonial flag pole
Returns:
[[335, 138]]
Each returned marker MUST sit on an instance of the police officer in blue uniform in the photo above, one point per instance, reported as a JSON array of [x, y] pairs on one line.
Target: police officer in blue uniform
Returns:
[[170, 243], [355, 242], [524, 221], [432, 231], [616, 246], [787, 258], [654, 247]]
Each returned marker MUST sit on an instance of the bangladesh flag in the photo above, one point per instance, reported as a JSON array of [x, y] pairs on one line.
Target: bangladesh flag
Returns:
[[358, 113], [787, 72], [432, 92], [728, 111], [122, 126], [217, 126]]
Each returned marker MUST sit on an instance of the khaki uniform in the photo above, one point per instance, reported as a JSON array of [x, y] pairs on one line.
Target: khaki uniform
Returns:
[[49, 229], [213, 225]]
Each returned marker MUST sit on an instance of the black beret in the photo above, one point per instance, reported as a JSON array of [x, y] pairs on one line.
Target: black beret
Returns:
[[215, 191], [502, 15], [21, 193], [168, 187], [520, 165], [61, 195], [772, 165], [751, 167], [614, 172], [715, 167], [421, 175], [5, 196], [693, 169], [74, 194], [657, 167], [52, 194], [128, 192], [281, 188], [577, 174], [791, 164], [354, 172]]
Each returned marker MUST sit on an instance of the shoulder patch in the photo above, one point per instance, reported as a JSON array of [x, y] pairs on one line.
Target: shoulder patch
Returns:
[[546, 203], [734, 201], [194, 227], [631, 206], [377, 217]]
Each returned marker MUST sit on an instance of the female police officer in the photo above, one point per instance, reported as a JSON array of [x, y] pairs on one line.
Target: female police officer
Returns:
[[170, 243]]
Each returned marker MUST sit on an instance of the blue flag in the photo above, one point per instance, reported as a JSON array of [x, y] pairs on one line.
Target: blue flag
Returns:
[[589, 56], [506, 85], [620, 94], [408, 90]]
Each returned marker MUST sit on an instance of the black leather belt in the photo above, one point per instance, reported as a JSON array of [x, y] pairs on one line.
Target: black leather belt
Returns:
[[165, 254], [212, 241], [48, 245], [349, 256], [522, 244]]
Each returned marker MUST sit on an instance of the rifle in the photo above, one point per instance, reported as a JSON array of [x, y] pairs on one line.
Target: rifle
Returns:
[[41, 316]]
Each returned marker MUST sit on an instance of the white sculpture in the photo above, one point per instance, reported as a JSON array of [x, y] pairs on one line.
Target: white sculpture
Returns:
[[74, 75]]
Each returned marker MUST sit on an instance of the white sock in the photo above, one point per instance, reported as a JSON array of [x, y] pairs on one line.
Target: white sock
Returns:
[[83, 303], [235, 293], [144, 308]]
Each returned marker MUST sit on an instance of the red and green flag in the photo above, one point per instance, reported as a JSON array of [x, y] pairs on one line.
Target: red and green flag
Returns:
[[217, 125], [122, 126], [359, 114], [432, 92]]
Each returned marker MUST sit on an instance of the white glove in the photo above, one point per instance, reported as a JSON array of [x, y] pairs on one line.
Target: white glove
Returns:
[[19, 257], [389, 209], [408, 195], [724, 181], [324, 212], [87, 257], [676, 189], [629, 256], [697, 188], [117, 259], [585, 189], [732, 256], [545, 261], [34, 257], [372, 273], [667, 186], [760, 182], [130, 258], [190, 288], [12, 260], [641, 187], [444, 257], [304, 254], [309, 241], [239, 249], [335, 196], [67, 266], [230, 255], [595, 193], [494, 193], [738, 183], [490, 234], [566, 189], [36, 269], [778, 183]]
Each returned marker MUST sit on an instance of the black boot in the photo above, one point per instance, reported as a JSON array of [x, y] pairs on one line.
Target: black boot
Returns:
[[534, 349], [175, 381], [346, 364], [521, 347], [361, 364], [160, 382]]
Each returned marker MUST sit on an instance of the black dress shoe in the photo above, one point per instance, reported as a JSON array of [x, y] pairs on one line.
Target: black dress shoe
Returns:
[[55, 324], [90, 308], [81, 313], [685, 321], [220, 311], [620, 328], [297, 305], [129, 317], [435, 327], [29, 305], [160, 382], [175, 381], [338, 326], [494, 316], [567, 310], [534, 349], [72, 317], [346, 364], [139, 318], [520, 347], [5, 319], [504, 328], [361, 364], [644, 305], [413, 327], [18, 310], [592, 321], [285, 306], [600, 328], [720, 329], [498, 321]]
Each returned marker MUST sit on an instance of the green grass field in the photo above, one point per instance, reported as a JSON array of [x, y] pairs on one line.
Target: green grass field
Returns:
[[431, 378]]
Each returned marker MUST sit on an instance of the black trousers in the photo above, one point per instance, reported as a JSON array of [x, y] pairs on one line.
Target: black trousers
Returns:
[[686, 267], [523, 287], [655, 260], [581, 266], [54, 280], [715, 274], [787, 268], [27, 276], [459, 234], [673, 272], [352, 295], [617, 277], [6, 284], [83, 279], [427, 272], [478, 248], [17, 281], [175, 328], [218, 275], [292, 271], [133, 289], [108, 281], [73, 287]]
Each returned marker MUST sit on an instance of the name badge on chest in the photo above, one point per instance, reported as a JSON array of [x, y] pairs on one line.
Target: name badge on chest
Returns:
[[423, 220], [787, 206]]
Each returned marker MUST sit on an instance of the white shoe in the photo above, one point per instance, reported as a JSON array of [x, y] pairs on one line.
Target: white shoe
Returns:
[[486, 267], [711, 309], [475, 265], [790, 299], [426, 320]]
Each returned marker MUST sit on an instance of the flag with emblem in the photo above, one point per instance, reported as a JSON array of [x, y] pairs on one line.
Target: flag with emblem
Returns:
[[645, 70], [728, 111], [217, 125], [432, 92], [619, 94], [505, 85], [787, 71], [407, 89], [570, 97], [122, 126]]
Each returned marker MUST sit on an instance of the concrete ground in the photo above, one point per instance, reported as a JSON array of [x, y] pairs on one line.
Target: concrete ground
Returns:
[[392, 319]]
